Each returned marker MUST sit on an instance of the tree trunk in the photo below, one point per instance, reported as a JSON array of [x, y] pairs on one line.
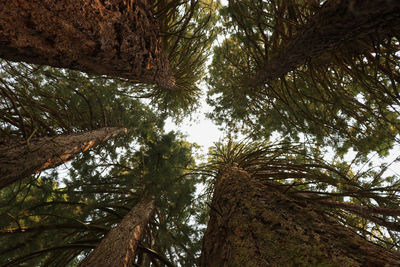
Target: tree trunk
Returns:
[[117, 38], [251, 224], [21, 158], [119, 246], [337, 22]]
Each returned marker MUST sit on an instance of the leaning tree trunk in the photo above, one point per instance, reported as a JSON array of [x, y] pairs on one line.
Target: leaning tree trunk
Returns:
[[252, 224], [117, 38], [118, 248], [21, 158], [337, 22]]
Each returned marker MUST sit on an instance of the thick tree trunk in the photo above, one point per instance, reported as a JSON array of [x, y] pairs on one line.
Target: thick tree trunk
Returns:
[[337, 22], [251, 224], [116, 38], [19, 158], [118, 248]]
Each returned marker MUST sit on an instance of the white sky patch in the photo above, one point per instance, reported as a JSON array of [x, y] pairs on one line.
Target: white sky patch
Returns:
[[200, 129]]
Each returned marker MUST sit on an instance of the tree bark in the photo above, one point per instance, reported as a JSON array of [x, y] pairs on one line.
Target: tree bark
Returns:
[[337, 22], [119, 246], [117, 38], [251, 224], [21, 158]]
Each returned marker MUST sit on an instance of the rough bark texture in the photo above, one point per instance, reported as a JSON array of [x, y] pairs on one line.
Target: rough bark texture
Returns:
[[119, 246], [117, 38], [19, 158], [338, 21], [252, 224]]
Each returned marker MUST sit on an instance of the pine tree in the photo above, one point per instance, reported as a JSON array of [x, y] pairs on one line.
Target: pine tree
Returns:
[[20, 158], [277, 205], [344, 96], [118, 39], [48, 116], [119, 246], [254, 224], [39, 101], [322, 71], [336, 22], [52, 225], [148, 42]]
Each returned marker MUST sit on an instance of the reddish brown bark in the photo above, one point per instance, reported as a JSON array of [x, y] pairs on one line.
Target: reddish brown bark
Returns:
[[116, 38], [251, 224], [19, 158], [337, 22], [119, 246]]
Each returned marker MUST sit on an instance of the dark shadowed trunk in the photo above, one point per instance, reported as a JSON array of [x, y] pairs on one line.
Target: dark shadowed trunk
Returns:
[[252, 224], [21, 158], [118, 248], [116, 38], [337, 22]]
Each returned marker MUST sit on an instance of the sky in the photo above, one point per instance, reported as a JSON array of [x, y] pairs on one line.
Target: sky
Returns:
[[200, 129]]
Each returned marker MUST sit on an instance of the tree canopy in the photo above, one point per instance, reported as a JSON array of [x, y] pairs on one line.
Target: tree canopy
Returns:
[[51, 224], [305, 81], [345, 96]]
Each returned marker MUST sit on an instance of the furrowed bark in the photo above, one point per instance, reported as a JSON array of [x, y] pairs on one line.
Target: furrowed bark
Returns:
[[114, 38], [252, 224], [119, 246], [21, 158], [337, 22]]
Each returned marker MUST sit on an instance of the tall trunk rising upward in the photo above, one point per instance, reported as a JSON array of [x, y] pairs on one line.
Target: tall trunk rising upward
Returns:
[[19, 159], [115, 38], [118, 247], [336, 22], [254, 225]]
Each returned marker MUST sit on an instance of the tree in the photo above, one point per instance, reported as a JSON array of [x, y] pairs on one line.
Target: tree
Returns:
[[118, 39], [20, 158], [63, 223], [187, 31], [346, 97], [119, 246], [145, 42], [253, 224], [276, 205], [39, 101], [336, 22], [273, 204]]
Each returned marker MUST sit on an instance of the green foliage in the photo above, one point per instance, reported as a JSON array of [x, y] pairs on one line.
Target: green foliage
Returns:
[[187, 34], [365, 200], [344, 99], [35, 218], [347, 98], [51, 225], [40, 101]]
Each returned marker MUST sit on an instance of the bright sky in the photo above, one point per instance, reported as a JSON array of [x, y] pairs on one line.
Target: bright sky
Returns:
[[200, 129]]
